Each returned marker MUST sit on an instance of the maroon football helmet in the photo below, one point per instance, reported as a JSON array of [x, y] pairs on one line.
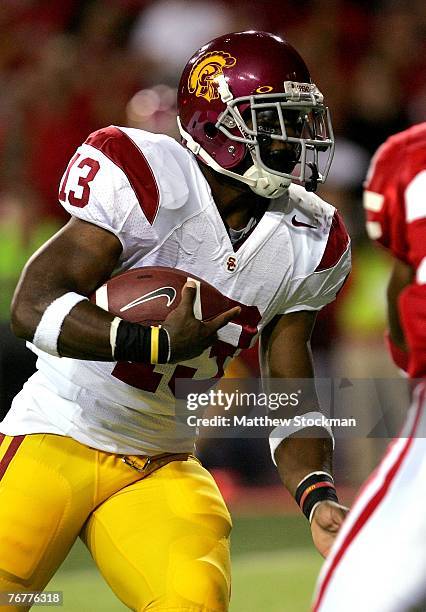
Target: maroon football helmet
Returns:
[[248, 109]]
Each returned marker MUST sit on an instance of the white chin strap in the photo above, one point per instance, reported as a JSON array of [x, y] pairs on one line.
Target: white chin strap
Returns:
[[266, 184], [262, 182]]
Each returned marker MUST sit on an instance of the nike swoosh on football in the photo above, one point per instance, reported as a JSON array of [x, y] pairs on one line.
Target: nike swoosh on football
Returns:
[[297, 223], [167, 292]]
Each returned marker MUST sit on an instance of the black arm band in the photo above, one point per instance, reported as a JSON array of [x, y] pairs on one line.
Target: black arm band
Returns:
[[133, 343], [313, 489]]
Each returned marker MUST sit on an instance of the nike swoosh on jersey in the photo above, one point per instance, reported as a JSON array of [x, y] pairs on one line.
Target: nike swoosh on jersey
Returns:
[[297, 223], [167, 292]]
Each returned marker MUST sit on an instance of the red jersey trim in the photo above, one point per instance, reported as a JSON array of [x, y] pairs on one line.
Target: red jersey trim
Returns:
[[125, 154], [337, 243], [9, 454]]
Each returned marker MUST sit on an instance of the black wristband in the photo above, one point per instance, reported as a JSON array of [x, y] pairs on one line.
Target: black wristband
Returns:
[[133, 343], [315, 488]]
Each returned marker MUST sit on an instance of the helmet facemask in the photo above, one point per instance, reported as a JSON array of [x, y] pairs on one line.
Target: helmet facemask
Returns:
[[297, 119]]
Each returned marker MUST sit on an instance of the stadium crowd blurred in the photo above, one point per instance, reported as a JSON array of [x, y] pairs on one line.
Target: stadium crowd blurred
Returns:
[[68, 68]]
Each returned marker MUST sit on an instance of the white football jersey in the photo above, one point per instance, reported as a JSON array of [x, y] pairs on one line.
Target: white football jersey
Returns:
[[149, 191]]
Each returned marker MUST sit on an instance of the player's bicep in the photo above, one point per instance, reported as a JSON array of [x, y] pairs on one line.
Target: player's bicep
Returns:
[[284, 346], [79, 258]]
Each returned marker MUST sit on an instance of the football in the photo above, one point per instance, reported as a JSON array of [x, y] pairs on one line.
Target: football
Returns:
[[148, 295]]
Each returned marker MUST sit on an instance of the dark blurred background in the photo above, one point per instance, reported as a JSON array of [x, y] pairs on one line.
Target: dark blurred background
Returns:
[[70, 67]]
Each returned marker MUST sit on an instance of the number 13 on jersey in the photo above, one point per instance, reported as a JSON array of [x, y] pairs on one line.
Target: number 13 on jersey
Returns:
[[88, 169]]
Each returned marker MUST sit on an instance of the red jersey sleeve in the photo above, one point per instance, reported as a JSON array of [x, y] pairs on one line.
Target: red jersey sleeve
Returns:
[[394, 196]]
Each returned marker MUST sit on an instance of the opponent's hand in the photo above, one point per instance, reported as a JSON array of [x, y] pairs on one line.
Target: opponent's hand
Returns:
[[189, 337], [327, 520]]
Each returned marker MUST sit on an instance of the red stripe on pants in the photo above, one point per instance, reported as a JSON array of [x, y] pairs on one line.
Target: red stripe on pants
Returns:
[[369, 508], [9, 454]]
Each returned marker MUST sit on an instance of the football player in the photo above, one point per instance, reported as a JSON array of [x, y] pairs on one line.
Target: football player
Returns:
[[91, 446], [378, 562]]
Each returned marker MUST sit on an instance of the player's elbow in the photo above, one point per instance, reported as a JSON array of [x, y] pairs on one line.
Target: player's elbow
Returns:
[[29, 300], [20, 319], [23, 313]]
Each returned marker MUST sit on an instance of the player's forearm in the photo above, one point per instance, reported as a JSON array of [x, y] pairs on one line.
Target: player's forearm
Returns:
[[65, 324], [298, 456], [84, 333]]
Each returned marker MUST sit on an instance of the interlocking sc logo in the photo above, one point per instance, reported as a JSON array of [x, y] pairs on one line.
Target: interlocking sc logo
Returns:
[[231, 263]]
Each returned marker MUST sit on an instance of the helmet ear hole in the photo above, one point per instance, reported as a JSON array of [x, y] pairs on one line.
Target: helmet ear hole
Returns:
[[210, 130]]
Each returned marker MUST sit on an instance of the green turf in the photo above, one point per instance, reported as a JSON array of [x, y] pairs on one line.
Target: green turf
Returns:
[[274, 582], [265, 533], [274, 570]]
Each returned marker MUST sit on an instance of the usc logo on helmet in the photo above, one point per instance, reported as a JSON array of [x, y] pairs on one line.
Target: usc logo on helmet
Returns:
[[202, 77]]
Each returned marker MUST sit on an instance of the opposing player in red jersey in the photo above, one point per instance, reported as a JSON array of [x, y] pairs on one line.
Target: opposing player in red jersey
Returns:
[[378, 562], [91, 446]]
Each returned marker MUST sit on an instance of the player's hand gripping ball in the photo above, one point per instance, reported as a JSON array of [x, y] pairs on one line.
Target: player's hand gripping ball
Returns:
[[157, 295]]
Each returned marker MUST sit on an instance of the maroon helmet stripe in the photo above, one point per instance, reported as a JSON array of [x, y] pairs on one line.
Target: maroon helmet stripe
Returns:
[[1, 438], [125, 154], [9, 454], [337, 243]]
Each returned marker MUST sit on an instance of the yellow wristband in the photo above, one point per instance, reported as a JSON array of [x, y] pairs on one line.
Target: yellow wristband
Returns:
[[155, 337]]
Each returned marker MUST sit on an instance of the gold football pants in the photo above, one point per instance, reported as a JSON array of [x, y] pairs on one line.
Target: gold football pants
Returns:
[[161, 542]]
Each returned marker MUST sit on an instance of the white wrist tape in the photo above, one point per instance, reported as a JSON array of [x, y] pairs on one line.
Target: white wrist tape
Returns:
[[47, 333], [113, 333], [280, 433]]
